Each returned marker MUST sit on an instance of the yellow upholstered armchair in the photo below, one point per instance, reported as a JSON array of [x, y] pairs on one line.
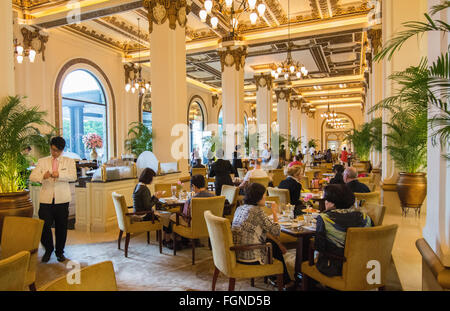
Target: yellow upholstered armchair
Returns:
[[260, 180], [277, 176], [231, 194], [22, 234], [13, 272], [224, 255], [126, 225], [199, 171], [369, 197], [98, 277], [375, 212], [282, 194], [197, 225], [363, 246]]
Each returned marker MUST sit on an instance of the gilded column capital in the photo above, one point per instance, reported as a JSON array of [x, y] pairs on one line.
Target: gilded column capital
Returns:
[[264, 81], [375, 37], [296, 103], [233, 57], [283, 94], [158, 11], [306, 109]]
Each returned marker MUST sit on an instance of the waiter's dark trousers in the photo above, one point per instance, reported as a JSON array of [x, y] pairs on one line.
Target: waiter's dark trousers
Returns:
[[59, 214]]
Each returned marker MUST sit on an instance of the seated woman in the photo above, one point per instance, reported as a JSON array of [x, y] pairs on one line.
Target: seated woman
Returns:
[[292, 183], [142, 198], [332, 226], [338, 171], [251, 226]]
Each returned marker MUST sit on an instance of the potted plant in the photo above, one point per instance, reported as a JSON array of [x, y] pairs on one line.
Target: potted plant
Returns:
[[294, 143], [407, 145], [312, 143], [18, 130], [362, 143], [140, 139]]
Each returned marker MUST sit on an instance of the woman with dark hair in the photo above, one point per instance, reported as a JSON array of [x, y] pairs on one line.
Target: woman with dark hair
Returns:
[[338, 178], [332, 226], [142, 198], [251, 226]]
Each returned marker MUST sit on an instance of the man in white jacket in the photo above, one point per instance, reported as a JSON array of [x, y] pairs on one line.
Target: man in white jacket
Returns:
[[54, 173]]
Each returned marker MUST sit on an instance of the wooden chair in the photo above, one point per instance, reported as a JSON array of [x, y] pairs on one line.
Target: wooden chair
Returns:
[[231, 194], [277, 176], [375, 211], [224, 255], [98, 277], [362, 246], [13, 271], [22, 234], [126, 225], [197, 225], [260, 180], [283, 198], [369, 197]]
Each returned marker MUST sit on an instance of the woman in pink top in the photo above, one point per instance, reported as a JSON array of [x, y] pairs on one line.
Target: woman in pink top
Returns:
[[344, 155], [295, 162]]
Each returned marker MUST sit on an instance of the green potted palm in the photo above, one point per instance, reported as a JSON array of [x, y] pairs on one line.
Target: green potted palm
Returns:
[[312, 143], [362, 144], [140, 139], [18, 130], [294, 143]]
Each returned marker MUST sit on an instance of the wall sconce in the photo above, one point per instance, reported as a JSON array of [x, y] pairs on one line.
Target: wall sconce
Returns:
[[34, 41], [133, 79]]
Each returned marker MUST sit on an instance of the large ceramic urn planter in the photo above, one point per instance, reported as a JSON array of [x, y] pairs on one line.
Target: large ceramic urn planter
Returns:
[[15, 204], [412, 190]]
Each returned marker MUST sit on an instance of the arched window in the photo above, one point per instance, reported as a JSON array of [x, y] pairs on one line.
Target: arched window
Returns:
[[196, 127], [84, 112]]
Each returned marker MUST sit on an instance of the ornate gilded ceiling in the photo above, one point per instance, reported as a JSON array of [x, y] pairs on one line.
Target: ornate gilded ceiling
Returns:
[[327, 55]]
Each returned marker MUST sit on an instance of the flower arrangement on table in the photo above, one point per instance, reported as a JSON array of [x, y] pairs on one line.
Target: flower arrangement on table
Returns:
[[307, 199], [92, 141], [324, 181]]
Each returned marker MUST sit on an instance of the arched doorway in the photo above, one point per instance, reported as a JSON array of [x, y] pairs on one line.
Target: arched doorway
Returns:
[[333, 137]]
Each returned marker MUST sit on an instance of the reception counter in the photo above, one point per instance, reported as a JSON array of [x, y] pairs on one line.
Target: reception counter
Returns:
[[94, 207]]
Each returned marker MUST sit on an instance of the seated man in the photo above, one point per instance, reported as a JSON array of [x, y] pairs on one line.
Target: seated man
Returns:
[[257, 172], [351, 179]]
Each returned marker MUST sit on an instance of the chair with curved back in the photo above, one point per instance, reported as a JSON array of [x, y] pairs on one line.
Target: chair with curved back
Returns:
[[260, 180], [375, 211], [277, 176], [22, 234], [363, 246], [231, 194], [197, 226], [13, 271], [124, 220], [199, 171], [224, 255], [98, 277], [283, 194], [368, 197], [365, 180]]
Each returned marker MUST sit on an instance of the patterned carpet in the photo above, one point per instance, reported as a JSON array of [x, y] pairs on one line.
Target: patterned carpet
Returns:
[[146, 269]]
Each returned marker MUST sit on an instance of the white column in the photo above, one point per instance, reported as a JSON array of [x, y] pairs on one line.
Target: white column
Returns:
[[437, 228], [169, 93], [7, 80], [304, 129], [233, 61], [296, 116], [283, 112], [263, 107], [396, 12]]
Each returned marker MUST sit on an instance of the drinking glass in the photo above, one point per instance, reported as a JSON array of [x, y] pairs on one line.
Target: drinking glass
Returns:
[[174, 191]]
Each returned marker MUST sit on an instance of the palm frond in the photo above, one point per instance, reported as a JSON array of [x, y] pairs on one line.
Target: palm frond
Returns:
[[440, 7]]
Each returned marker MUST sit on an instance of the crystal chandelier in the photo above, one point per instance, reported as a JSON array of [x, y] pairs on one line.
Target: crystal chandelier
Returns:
[[289, 68], [336, 124], [21, 53], [329, 115], [137, 83], [231, 10]]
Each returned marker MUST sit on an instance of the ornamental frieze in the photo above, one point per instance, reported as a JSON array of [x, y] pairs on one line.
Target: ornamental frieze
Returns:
[[233, 57]]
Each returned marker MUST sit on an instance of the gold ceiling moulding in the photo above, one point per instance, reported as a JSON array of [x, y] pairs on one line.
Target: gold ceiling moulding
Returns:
[[264, 81], [158, 11], [375, 38], [34, 39], [230, 57]]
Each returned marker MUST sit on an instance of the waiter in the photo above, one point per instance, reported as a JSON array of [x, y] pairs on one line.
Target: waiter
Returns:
[[54, 173]]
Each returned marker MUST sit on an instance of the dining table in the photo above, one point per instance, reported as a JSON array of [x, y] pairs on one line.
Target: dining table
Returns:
[[316, 197], [303, 234]]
